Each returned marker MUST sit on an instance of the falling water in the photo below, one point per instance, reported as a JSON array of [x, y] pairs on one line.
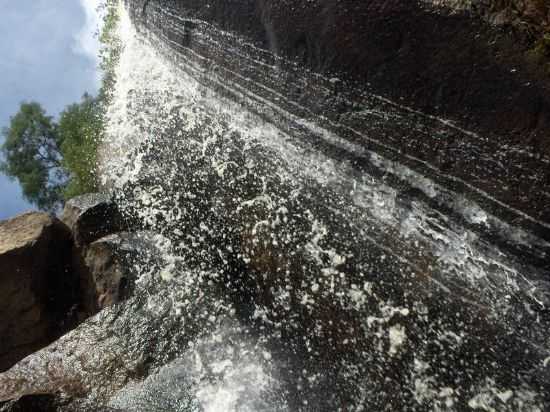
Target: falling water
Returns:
[[344, 289], [294, 267]]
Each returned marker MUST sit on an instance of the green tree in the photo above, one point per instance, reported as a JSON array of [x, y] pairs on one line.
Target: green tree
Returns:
[[110, 50], [80, 128], [31, 152], [55, 161]]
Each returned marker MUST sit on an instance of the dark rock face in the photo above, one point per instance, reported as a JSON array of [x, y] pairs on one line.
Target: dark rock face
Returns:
[[91, 217], [449, 64], [37, 288], [529, 17], [443, 62], [107, 271], [44, 403]]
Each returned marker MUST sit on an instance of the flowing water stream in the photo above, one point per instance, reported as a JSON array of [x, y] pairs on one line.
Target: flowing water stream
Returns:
[[352, 281], [300, 264]]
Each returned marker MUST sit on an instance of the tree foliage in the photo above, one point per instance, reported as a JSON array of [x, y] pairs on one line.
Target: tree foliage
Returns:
[[32, 154], [111, 47], [53, 160], [80, 127]]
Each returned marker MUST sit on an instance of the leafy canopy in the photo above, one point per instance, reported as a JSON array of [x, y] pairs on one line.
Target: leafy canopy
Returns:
[[80, 128], [53, 161], [32, 154]]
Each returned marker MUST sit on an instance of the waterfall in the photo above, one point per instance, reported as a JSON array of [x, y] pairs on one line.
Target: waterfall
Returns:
[[426, 309], [303, 260]]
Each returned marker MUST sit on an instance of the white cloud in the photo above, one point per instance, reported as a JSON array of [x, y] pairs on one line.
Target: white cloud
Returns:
[[86, 40]]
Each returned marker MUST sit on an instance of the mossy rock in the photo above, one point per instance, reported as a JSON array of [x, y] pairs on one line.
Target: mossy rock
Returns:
[[542, 47], [539, 54]]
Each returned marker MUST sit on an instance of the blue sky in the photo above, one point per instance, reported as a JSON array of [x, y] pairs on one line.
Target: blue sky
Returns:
[[49, 55]]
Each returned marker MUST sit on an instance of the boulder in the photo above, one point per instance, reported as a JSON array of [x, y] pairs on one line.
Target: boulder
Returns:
[[91, 216], [38, 292], [104, 267], [121, 344]]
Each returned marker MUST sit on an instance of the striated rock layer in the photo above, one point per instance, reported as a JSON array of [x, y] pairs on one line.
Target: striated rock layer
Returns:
[[489, 104]]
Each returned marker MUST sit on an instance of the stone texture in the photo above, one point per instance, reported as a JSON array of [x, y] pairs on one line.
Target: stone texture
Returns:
[[482, 83], [91, 216], [43, 403], [529, 16], [110, 349], [104, 270], [48, 403], [37, 290]]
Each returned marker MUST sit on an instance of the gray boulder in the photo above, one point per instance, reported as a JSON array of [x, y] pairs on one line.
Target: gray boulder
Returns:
[[104, 269], [91, 216]]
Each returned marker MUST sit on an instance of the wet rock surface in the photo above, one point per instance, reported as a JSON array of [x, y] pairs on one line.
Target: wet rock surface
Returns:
[[91, 216], [492, 106], [529, 17], [291, 265], [448, 64], [38, 291], [106, 263], [125, 342], [44, 403]]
